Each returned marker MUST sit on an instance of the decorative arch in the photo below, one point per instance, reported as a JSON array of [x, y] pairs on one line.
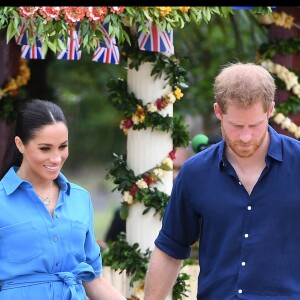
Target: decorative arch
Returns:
[[145, 36]]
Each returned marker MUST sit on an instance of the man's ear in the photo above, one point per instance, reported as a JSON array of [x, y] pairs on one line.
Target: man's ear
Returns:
[[19, 144], [271, 110], [218, 111]]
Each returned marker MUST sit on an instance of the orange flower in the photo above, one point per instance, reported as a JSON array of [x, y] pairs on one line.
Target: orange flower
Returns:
[[28, 11], [116, 9], [50, 12], [74, 14], [96, 14]]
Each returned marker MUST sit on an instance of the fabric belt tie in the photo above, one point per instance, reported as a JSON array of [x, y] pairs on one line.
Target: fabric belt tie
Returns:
[[83, 271]]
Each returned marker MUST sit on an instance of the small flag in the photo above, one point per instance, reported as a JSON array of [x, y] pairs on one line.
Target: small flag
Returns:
[[22, 38], [156, 40], [107, 52], [72, 51], [31, 52]]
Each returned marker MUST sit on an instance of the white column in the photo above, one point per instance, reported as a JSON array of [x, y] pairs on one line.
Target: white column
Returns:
[[145, 150]]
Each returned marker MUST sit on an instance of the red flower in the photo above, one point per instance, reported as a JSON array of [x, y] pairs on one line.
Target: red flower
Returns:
[[50, 12], [28, 11], [172, 154], [161, 103], [96, 14], [133, 190], [116, 9], [74, 14], [127, 123], [149, 179]]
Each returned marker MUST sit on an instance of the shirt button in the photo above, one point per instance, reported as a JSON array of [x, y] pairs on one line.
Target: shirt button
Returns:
[[240, 183], [249, 207], [240, 291], [55, 238], [57, 264], [246, 235], [57, 215], [243, 264]]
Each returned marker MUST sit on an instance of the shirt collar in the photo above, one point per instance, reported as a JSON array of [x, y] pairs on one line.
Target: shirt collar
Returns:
[[11, 181], [274, 151]]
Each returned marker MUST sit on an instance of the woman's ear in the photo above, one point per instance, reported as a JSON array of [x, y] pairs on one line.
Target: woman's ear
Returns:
[[218, 111], [19, 144]]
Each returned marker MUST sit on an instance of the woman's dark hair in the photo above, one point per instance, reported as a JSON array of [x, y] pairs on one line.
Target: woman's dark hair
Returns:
[[32, 116]]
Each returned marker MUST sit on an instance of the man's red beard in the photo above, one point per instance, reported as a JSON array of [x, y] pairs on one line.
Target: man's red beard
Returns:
[[240, 148]]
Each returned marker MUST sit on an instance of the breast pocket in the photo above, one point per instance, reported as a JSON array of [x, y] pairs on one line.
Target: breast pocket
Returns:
[[77, 239], [20, 243]]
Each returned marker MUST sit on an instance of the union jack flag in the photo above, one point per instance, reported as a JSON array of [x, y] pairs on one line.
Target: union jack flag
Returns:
[[31, 52], [72, 51], [107, 52], [22, 38], [156, 40]]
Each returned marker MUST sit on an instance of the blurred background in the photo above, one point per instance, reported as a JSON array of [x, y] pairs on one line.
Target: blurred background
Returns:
[[80, 88]]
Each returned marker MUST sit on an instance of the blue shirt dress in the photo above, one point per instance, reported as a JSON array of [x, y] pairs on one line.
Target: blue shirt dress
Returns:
[[44, 257], [249, 244]]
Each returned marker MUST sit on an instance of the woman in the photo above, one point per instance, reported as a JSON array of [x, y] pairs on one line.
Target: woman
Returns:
[[47, 243]]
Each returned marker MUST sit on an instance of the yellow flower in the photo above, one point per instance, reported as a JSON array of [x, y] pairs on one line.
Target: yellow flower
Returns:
[[21, 79], [164, 10], [178, 94], [184, 9]]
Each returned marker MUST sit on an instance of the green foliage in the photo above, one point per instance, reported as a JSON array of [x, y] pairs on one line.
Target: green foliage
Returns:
[[51, 31], [124, 178], [180, 287], [120, 256], [209, 46], [285, 47], [10, 105]]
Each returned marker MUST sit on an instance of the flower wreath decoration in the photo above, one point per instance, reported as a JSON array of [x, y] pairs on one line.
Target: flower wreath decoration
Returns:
[[291, 83], [141, 188], [138, 116], [285, 78], [52, 22], [121, 256], [12, 95]]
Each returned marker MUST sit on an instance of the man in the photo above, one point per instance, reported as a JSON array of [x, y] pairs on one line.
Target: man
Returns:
[[240, 198]]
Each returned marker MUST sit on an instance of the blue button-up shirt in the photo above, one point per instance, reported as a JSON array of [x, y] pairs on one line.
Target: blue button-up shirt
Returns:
[[249, 244], [45, 257]]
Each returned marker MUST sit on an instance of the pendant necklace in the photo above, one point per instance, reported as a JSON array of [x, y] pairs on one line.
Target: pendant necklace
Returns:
[[47, 201]]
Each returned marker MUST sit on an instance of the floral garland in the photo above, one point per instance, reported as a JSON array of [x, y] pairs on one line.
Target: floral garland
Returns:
[[12, 87], [121, 256], [140, 188], [141, 113], [291, 83], [50, 23], [286, 47], [12, 95], [286, 123], [278, 18], [290, 78]]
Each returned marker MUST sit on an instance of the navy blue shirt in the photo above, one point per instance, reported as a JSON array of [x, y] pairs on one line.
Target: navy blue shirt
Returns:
[[249, 244]]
